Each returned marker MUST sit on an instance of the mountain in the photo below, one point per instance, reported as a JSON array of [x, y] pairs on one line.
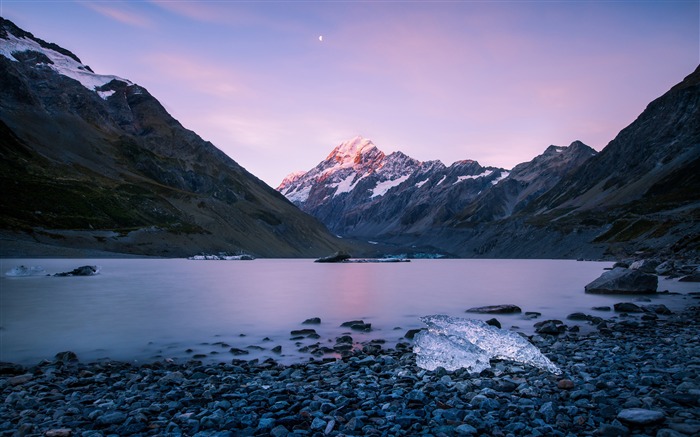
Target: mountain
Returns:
[[526, 182], [643, 189], [94, 162], [640, 194], [359, 191]]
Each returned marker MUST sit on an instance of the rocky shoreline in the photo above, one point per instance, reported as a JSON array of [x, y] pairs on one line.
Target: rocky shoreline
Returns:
[[633, 375]]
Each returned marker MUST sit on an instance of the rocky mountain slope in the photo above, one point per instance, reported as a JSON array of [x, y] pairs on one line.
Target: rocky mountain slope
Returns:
[[359, 191], [94, 162], [641, 193]]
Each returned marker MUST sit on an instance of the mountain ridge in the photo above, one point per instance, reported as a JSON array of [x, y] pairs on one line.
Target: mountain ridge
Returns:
[[95, 162], [640, 194], [392, 194]]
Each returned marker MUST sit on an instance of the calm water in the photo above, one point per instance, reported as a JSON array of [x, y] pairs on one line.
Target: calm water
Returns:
[[145, 309]]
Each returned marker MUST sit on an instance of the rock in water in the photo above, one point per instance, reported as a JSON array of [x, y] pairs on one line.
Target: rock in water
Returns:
[[81, 271], [623, 281], [453, 343], [496, 309], [335, 258]]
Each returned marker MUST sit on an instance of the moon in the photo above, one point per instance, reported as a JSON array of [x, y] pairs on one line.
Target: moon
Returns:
[[320, 38]]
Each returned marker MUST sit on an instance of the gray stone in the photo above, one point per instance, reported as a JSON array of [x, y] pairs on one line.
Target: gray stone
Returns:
[[312, 321], [496, 309], [645, 265], [494, 322], [318, 424], [623, 281], [266, 423], [279, 431], [465, 429], [550, 327], [640, 416], [111, 418], [80, 271], [657, 309], [627, 307], [337, 257], [411, 333]]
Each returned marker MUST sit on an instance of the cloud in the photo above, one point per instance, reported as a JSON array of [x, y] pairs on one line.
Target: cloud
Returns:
[[199, 11], [120, 12], [240, 14], [204, 76]]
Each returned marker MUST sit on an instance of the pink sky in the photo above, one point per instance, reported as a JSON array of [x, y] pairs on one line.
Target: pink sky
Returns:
[[496, 82]]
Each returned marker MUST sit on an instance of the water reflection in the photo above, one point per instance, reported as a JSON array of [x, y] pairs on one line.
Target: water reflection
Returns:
[[136, 309]]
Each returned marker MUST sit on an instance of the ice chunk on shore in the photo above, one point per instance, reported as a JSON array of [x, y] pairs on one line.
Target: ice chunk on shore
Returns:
[[453, 343], [26, 271]]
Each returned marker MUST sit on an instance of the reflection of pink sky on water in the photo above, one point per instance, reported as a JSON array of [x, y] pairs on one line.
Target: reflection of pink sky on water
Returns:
[[135, 307]]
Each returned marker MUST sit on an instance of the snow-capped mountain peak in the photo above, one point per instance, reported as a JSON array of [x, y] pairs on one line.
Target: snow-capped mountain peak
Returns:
[[21, 46], [355, 153]]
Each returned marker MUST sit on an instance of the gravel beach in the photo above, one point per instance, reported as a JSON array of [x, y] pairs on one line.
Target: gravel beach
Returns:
[[636, 374]]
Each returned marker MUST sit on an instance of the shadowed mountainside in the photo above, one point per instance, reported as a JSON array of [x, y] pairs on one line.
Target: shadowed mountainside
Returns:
[[94, 162]]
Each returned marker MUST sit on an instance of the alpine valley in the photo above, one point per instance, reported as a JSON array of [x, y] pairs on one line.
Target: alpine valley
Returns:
[[93, 164], [641, 193]]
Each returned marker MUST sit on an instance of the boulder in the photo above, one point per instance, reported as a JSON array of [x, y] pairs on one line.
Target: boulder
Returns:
[[665, 268], [494, 322], [66, 357], [694, 277], [657, 309], [623, 281], [550, 327], [312, 321], [411, 333], [627, 307], [578, 316], [303, 332], [357, 325], [337, 257], [496, 309], [645, 265], [80, 271]]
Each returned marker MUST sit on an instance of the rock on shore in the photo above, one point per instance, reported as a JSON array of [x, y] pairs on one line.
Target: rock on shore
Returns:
[[624, 281], [632, 376]]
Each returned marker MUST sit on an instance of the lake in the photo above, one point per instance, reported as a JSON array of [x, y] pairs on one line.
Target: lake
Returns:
[[149, 309]]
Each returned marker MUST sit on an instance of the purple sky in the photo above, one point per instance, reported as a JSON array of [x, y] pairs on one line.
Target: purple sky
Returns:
[[492, 81]]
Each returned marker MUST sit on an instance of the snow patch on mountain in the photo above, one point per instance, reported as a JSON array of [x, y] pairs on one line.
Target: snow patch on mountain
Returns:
[[346, 185], [105, 94], [382, 187], [475, 176], [441, 180], [61, 63], [421, 183], [500, 178], [300, 195]]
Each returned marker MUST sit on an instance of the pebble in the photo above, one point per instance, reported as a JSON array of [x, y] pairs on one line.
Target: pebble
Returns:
[[640, 416], [627, 376]]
